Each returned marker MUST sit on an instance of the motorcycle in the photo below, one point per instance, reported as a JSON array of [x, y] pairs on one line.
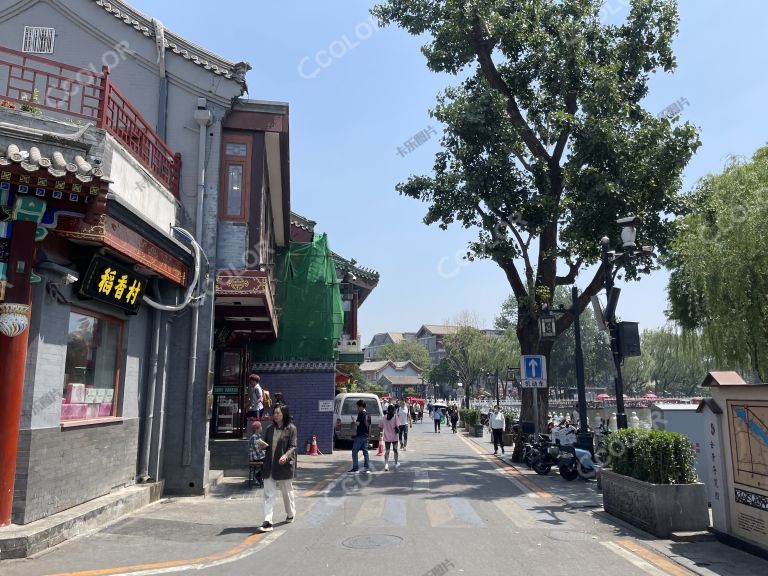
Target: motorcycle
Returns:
[[546, 457], [535, 448], [574, 462]]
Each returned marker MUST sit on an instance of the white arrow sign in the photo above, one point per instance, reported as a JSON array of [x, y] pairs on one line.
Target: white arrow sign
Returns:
[[534, 368]]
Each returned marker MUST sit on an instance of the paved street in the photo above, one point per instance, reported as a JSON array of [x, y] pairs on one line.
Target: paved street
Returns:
[[450, 504]]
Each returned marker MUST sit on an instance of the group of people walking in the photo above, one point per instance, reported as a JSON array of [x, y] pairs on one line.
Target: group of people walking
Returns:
[[450, 413], [394, 427]]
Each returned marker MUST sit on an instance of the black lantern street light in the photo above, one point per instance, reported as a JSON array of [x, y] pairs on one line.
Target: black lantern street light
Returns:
[[625, 337]]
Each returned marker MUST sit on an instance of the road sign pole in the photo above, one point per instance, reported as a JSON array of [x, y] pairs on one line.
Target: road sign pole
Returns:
[[536, 410]]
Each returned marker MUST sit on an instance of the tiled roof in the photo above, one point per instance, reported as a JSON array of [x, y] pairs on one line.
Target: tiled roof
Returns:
[[343, 265], [440, 330], [373, 366], [57, 166], [175, 43], [402, 380], [301, 222]]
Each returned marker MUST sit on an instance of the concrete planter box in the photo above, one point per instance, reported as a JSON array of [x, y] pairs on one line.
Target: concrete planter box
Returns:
[[509, 439], [477, 430], [656, 508]]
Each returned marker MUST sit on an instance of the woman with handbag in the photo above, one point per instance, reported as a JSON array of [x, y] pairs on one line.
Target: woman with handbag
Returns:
[[279, 466]]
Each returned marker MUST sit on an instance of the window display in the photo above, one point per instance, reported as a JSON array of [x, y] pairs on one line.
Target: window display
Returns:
[[92, 367]]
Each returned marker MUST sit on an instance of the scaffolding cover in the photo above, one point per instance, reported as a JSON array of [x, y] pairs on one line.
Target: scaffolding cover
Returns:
[[312, 317]]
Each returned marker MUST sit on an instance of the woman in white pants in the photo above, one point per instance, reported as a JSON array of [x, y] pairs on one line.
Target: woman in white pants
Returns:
[[279, 466]]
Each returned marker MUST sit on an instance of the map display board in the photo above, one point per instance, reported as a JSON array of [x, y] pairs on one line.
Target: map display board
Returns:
[[749, 442], [748, 423]]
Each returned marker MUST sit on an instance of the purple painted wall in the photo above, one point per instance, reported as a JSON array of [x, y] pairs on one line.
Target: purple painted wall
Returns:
[[302, 391]]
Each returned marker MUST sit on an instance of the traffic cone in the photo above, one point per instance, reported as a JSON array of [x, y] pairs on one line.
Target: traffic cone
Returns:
[[314, 446], [381, 445]]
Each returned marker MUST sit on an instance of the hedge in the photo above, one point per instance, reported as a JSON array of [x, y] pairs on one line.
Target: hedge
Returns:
[[469, 416], [654, 456]]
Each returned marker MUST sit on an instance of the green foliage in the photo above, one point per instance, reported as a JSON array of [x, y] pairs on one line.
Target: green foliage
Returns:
[[719, 262], [35, 99], [596, 349], [654, 456], [442, 373], [470, 416], [546, 141], [405, 350], [508, 421]]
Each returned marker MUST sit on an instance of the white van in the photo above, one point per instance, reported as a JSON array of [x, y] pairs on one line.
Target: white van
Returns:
[[345, 413]]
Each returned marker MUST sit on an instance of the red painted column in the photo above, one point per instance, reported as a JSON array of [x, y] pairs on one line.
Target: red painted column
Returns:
[[13, 359]]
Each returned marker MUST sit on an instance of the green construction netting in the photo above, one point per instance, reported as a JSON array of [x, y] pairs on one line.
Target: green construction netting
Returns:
[[308, 292]]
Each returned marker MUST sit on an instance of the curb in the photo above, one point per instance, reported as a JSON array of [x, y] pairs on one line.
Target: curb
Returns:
[[26, 540]]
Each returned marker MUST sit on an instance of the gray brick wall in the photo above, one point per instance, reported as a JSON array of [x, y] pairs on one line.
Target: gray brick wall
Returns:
[[58, 468], [302, 392], [61, 468]]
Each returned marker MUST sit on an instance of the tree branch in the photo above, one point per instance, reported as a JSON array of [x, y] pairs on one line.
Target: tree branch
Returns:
[[565, 321], [571, 107], [509, 268], [573, 271], [483, 48]]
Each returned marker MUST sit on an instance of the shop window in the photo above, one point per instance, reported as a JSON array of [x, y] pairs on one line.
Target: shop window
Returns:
[[92, 367], [236, 173]]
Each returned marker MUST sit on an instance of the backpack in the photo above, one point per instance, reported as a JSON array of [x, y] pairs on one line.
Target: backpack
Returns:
[[266, 399]]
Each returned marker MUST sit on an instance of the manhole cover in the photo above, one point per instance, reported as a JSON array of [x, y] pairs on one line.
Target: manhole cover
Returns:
[[372, 542], [569, 536]]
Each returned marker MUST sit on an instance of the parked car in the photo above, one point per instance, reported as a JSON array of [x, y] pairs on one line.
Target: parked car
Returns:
[[345, 410]]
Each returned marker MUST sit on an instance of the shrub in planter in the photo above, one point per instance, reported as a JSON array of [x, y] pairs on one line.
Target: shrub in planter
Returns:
[[652, 482]]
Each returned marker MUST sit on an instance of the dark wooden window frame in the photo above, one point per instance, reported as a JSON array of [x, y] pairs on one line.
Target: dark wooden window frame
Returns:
[[245, 162]]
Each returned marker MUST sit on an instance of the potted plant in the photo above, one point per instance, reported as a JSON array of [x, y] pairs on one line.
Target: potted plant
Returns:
[[652, 482], [475, 427]]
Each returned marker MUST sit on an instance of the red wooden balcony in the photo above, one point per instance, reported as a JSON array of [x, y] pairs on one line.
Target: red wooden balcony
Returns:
[[28, 82]]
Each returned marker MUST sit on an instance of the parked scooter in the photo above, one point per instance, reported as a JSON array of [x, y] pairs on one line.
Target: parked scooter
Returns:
[[574, 462], [537, 447]]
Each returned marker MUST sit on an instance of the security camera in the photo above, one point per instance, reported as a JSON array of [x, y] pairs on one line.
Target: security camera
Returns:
[[68, 275]]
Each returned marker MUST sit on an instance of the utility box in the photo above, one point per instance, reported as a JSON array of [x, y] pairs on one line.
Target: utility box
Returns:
[[685, 419], [628, 336]]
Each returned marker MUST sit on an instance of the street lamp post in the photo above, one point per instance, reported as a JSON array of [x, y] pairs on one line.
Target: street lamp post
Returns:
[[547, 331], [612, 261]]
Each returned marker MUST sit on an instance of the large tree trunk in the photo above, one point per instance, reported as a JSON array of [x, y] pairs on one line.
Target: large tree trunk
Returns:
[[528, 336]]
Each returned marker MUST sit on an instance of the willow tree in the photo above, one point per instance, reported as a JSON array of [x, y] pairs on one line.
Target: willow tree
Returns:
[[545, 138], [719, 283]]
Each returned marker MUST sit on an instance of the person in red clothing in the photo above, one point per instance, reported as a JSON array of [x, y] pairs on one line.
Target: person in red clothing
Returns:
[[390, 428]]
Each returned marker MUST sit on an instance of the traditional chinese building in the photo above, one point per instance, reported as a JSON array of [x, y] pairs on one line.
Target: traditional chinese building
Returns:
[[110, 146]]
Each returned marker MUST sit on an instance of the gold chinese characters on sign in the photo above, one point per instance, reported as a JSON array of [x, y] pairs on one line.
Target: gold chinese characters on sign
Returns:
[[113, 283]]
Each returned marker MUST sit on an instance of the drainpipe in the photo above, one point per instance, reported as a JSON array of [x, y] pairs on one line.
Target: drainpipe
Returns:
[[203, 118], [162, 106], [149, 411]]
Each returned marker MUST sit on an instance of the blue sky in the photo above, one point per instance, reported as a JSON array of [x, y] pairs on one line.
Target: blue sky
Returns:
[[374, 92]]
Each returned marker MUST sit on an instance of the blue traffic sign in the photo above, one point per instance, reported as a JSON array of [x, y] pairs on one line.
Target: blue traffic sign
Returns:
[[533, 367]]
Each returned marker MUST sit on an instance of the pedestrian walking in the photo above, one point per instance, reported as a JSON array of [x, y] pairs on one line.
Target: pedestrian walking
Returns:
[[497, 424], [256, 408], [279, 465], [437, 415], [405, 421], [361, 437], [454, 418], [390, 428]]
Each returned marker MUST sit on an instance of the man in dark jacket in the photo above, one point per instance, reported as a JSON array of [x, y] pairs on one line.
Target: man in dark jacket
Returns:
[[361, 438]]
